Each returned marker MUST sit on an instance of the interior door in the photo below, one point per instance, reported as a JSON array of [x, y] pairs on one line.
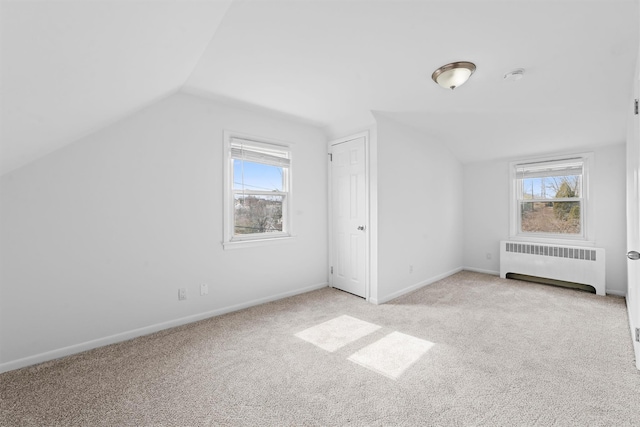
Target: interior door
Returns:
[[349, 216], [633, 221]]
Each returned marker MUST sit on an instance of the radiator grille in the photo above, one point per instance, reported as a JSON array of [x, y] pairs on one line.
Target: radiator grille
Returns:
[[552, 251]]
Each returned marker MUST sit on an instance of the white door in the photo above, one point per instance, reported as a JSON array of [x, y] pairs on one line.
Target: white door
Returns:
[[349, 217], [633, 222]]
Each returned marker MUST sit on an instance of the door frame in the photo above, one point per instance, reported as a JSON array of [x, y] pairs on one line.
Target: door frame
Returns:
[[632, 152], [367, 174]]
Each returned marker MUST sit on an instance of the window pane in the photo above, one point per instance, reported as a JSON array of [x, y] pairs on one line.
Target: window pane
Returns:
[[550, 217], [552, 187], [258, 214], [256, 176]]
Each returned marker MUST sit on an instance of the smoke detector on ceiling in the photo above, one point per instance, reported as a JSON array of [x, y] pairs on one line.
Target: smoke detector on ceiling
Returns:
[[514, 75]]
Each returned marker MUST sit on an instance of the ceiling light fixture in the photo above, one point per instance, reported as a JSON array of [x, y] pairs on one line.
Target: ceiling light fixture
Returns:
[[452, 75]]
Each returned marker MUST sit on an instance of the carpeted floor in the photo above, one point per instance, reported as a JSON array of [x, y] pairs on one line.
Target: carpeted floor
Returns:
[[500, 353]]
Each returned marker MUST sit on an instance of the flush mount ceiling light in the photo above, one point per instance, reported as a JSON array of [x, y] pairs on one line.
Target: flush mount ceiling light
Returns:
[[452, 75]]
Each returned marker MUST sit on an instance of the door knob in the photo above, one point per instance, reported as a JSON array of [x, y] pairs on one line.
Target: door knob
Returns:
[[633, 255], [361, 227]]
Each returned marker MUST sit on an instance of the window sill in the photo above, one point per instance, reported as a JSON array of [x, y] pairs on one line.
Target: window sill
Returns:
[[238, 244]]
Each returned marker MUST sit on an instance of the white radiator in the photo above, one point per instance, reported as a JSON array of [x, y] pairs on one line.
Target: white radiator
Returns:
[[559, 262]]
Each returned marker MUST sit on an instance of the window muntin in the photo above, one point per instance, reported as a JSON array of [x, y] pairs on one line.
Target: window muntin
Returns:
[[258, 190], [550, 198]]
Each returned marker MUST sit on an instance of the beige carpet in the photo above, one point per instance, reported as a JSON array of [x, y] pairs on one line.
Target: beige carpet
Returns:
[[336, 333], [501, 353], [392, 355]]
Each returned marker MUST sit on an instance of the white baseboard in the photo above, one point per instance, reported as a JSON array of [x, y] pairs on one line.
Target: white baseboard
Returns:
[[123, 336], [480, 270], [412, 288]]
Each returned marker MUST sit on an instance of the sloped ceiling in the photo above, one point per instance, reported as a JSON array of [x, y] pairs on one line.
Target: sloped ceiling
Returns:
[[70, 67]]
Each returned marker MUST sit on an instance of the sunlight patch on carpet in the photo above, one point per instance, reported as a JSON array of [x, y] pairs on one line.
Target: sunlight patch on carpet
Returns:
[[337, 333], [392, 355]]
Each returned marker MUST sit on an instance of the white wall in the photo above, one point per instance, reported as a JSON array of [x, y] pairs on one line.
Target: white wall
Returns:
[[419, 202], [97, 238], [486, 214], [486, 206]]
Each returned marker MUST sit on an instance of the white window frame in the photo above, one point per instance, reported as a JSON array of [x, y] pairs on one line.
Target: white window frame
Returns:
[[586, 237], [231, 240]]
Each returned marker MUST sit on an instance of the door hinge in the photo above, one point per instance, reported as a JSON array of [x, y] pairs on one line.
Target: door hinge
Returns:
[[331, 270], [331, 155], [637, 334], [635, 109]]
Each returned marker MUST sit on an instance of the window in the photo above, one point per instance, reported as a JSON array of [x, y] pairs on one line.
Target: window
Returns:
[[549, 198], [257, 189]]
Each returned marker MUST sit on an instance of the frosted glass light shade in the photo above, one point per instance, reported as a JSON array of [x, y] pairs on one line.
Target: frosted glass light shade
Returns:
[[452, 75]]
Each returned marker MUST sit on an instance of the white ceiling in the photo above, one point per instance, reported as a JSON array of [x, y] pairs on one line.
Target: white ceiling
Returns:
[[71, 67]]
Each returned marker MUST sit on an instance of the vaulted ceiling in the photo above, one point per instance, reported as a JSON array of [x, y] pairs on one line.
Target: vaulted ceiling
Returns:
[[72, 67]]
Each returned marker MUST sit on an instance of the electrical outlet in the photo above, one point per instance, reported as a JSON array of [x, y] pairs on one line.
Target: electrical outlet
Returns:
[[204, 289], [182, 294], [410, 269], [488, 255]]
